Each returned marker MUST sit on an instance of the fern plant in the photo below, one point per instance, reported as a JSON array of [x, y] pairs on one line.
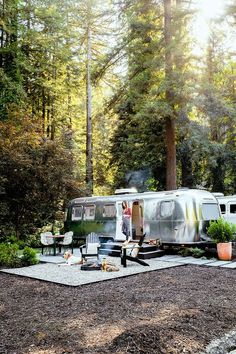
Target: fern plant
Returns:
[[221, 231]]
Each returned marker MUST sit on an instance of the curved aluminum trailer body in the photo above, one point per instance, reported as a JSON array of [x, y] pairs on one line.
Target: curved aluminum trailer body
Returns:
[[177, 217]]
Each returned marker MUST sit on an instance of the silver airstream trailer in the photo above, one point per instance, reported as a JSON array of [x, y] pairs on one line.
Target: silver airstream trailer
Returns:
[[174, 217]]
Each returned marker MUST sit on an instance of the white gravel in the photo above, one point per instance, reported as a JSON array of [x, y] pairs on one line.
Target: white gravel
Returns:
[[52, 269], [74, 276]]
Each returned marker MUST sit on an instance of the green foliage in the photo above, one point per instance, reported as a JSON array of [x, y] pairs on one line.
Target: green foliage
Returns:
[[8, 255], [185, 252], [192, 251], [221, 230], [197, 252], [29, 257], [43, 130], [140, 138], [37, 176], [33, 241]]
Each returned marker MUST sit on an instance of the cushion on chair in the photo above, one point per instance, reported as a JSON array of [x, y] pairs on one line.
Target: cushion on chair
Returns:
[[92, 248]]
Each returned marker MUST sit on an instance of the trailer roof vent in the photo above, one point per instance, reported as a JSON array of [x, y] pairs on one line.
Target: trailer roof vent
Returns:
[[125, 191], [217, 194]]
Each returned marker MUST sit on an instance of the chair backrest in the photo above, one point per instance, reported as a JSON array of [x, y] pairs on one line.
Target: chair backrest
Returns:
[[68, 237], [49, 238], [92, 243], [43, 238], [46, 238]]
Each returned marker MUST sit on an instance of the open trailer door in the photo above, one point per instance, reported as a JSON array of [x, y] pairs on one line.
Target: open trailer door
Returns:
[[119, 234]]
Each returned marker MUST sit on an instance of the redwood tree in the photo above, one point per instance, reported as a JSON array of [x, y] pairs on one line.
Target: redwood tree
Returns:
[[170, 119]]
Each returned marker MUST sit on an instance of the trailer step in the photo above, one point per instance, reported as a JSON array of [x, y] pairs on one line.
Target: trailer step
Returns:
[[147, 251], [152, 254]]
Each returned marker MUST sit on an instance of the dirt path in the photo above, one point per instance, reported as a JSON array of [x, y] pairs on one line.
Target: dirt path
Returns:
[[177, 310]]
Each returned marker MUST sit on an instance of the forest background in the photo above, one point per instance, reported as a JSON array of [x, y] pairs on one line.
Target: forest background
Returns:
[[100, 94]]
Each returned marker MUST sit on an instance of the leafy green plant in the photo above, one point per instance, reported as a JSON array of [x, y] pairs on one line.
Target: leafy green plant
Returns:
[[33, 241], [221, 230], [11, 239], [197, 252], [29, 257], [185, 252], [8, 255]]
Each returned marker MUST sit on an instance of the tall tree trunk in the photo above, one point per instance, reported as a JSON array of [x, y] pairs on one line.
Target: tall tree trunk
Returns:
[[185, 159], [170, 120], [44, 100], [210, 77], [26, 47], [89, 147], [2, 32]]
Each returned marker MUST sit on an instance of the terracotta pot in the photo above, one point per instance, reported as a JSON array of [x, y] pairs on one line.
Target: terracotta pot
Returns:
[[224, 251]]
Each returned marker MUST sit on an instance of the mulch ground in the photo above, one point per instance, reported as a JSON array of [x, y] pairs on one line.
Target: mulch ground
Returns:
[[177, 310]]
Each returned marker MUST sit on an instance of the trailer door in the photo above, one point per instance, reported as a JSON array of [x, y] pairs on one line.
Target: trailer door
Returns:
[[119, 234]]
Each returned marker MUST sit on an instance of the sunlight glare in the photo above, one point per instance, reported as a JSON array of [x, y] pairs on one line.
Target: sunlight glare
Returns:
[[210, 9], [207, 10]]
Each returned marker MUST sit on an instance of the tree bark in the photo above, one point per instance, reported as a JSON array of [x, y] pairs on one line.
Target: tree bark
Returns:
[[2, 33], [89, 146], [170, 120]]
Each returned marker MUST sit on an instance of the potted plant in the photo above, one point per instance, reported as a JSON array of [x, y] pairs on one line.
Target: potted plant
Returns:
[[222, 232]]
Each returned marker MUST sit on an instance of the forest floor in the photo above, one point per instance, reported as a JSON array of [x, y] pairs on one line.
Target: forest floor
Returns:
[[175, 310]]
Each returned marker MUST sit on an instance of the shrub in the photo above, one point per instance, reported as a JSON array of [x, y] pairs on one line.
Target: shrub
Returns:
[[197, 252], [33, 241], [221, 230], [14, 240], [185, 252], [29, 257], [8, 255]]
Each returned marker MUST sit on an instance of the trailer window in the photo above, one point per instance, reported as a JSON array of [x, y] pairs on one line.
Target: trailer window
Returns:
[[109, 211], [89, 212], [223, 208], [151, 209], [210, 211], [232, 208], [167, 208], [77, 212]]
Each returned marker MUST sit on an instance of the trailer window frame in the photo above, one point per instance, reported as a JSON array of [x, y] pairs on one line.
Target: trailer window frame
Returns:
[[109, 210], [223, 208], [232, 208], [89, 212], [167, 208], [75, 217]]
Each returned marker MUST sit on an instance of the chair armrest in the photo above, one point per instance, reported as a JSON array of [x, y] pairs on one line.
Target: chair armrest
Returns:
[[83, 247]]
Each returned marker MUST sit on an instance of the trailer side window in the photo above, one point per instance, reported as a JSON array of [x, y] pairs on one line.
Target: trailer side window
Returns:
[[232, 208], [223, 208], [167, 208], [77, 212], [109, 211], [151, 209], [89, 212], [210, 211]]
